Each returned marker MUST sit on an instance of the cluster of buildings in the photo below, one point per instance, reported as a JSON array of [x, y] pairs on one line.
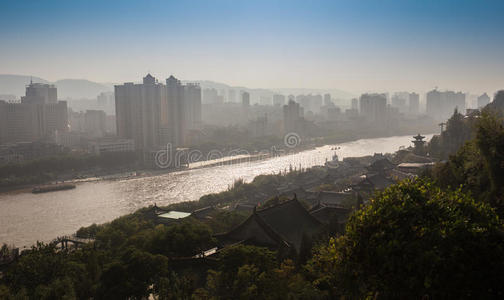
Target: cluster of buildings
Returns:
[[37, 116], [146, 117], [154, 114], [288, 217], [39, 125], [371, 109], [214, 96], [308, 114], [28, 127]]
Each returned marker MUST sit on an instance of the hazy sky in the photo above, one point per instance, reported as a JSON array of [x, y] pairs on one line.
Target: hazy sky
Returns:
[[352, 45]]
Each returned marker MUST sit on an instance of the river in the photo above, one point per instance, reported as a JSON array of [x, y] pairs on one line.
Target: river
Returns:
[[26, 217]]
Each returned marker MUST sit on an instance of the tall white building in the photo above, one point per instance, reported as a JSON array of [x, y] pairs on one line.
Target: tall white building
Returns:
[[373, 107], [414, 103], [293, 117], [153, 114], [278, 100], [138, 112], [483, 100], [441, 105]]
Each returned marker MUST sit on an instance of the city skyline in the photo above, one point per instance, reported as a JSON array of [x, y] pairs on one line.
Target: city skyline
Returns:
[[356, 47]]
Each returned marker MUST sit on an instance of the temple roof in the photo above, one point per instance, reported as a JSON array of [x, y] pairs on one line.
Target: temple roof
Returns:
[[330, 198], [379, 182], [281, 225], [381, 165], [374, 181], [324, 213]]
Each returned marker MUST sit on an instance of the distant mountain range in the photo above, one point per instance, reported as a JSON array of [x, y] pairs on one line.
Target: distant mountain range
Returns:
[[67, 88], [85, 89], [257, 93]]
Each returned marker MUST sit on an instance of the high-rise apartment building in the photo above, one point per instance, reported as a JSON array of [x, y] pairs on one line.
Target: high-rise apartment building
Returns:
[[292, 117], [278, 100], [38, 116], [231, 96], [327, 99], [483, 100], [192, 102], [138, 112], [400, 101], [355, 104], [95, 123], [211, 96], [39, 93], [414, 103], [245, 99], [153, 114], [373, 107], [441, 105], [19, 122]]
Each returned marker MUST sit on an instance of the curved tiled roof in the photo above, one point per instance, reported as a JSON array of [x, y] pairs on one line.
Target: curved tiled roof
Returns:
[[284, 224]]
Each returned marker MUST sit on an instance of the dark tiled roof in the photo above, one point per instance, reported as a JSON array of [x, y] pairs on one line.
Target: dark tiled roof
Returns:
[[281, 225], [379, 181], [291, 220], [244, 207], [254, 231], [381, 165], [332, 198], [325, 213], [374, 182]]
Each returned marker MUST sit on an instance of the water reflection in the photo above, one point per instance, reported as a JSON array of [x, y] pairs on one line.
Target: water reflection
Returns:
[[26, 218]]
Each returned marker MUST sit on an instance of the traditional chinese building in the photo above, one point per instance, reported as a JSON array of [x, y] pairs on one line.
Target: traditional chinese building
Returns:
[[285, 227], [419, 145]]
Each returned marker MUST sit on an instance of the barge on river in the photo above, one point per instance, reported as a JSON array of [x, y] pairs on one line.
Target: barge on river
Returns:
[[53, 188]]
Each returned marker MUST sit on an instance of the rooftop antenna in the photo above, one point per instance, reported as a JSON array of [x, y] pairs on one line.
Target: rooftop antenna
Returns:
[[31, 79]]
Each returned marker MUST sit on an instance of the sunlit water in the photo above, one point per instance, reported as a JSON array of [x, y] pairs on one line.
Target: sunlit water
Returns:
[[26, 217]]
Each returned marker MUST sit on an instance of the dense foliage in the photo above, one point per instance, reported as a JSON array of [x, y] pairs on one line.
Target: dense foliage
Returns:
[[46, 169], [458, 131], [478, 166], [413, 240]]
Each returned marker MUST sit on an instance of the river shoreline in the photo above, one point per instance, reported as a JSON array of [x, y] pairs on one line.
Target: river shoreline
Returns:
[[26, 217], [148, 172]]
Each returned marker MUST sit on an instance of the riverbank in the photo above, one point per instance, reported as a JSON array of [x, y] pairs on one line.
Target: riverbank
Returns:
[[26, 218], [92, 175]]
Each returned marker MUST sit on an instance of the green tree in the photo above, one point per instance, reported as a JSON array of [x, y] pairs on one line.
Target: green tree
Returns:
[[412, 240], [467, 169], [490, 141], [132, 276], [184, 239], [478, 166], [247, 272], [4, 292]]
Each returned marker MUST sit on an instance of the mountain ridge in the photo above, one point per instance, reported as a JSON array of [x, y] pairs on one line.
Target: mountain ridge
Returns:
[[13, 84]]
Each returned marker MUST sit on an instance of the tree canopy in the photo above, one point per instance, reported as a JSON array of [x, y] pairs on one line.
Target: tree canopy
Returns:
[[413, 240]]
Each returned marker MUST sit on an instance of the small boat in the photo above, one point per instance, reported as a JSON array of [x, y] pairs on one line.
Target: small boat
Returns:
[[53, 188]]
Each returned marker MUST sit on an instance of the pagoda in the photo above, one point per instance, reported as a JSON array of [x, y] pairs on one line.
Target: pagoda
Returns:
[[419, 144]]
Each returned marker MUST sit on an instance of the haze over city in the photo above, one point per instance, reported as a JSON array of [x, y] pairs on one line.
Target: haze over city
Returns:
[[232, 149], [356, 46]]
